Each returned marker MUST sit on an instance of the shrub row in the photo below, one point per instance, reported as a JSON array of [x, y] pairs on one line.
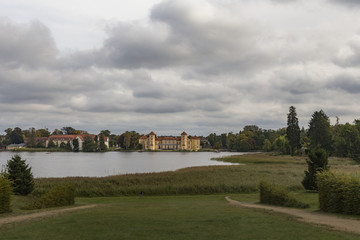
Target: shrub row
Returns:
[[5, 194], [275, 195], [339, 193], [61, 195]]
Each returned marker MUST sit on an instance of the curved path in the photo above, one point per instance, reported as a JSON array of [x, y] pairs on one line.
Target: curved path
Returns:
[[44, 214], [335, 222]]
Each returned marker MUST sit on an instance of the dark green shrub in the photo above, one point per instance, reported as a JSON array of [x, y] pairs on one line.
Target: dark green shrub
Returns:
[[275, 195], [61, 195], [5, 194], [339, 193], [317, 162], [19, 173]]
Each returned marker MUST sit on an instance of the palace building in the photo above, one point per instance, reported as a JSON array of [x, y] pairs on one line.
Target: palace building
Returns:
[[185, 142]]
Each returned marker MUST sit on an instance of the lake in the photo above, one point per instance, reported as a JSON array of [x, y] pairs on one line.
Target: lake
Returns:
[[66, 164]]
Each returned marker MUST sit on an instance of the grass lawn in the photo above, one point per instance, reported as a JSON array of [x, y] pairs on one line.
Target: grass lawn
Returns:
[[170, 217]]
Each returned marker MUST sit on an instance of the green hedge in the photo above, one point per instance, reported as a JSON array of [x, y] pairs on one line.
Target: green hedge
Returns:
[[61, 195], [339, 193], [275, 195], [5, 194]]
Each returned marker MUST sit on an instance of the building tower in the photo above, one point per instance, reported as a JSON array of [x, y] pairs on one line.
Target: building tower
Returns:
[[152, 142], [184, 141]]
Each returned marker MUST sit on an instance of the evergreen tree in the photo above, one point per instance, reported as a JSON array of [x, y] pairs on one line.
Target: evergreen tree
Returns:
[[317, 162], [319, 131], [20, 174], [293, 130], [75, 143]]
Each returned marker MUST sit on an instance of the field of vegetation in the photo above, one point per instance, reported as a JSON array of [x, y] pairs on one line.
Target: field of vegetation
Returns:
[[184, 204], [281, 170]]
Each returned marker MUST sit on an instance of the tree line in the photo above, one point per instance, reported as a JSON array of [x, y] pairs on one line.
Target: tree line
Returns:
[[341, 140], [32, 138]]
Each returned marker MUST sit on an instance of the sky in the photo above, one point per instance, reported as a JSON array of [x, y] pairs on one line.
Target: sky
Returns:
[[169, 66]]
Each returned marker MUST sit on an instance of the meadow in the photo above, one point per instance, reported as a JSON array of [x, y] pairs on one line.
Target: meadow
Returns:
[[167, 217], [184, 204]]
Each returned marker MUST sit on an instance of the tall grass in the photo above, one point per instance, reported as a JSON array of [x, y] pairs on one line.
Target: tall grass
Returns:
[[281, 170]]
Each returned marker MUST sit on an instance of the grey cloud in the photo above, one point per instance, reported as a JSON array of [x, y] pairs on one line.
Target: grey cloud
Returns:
[[349, 3], [30, 45], [346, 83]]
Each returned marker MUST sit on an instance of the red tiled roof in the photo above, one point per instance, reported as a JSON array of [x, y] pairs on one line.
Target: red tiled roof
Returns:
[[63, 136], [152, 133], [184, 133], [143, 137], [167, 138]]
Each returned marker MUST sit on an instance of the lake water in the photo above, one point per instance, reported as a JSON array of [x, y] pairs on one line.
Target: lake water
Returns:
[[65, 164]]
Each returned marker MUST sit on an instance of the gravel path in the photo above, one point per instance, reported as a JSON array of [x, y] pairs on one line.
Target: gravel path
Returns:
[[45, 214], [337, 223]]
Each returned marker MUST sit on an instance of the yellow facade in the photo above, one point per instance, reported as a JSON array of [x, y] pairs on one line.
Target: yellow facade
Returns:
[[151, 142]]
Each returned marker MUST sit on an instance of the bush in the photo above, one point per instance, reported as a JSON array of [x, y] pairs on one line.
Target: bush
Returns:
[[61, 195], [19, 173], [317, 162], [274, 195], [339, 193], [5, 194]]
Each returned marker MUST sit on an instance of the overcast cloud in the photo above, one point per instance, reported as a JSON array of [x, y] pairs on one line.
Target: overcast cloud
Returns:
[[200, 66]]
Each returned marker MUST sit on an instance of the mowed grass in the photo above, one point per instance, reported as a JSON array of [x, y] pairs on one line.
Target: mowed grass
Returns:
[[167, 217]]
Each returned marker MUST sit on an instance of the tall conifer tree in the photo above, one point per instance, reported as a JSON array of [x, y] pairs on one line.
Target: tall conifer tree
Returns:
[[293, 130]]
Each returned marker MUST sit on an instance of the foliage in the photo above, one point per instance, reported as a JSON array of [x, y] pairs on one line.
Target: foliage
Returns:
[[61, 195], [275, 195], [319, 131], [89, 145], [5, 194], [20, 175], [129, 140], [293, 130], [51, 144], [317, 162], [281, 144], [75, 143], [339, 193]]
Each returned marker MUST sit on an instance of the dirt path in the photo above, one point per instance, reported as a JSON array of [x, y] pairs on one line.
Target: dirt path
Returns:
[[45, 214], [337, 223]]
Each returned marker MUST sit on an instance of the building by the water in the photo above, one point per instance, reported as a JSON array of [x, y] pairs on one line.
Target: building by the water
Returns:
[[184, 142]]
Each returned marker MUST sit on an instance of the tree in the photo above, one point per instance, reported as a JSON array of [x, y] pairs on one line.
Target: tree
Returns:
[[75, 143], [16, 136], [51, 144], [102, 146], [319, 131], [57, 132], [293, 130], [20, 174], [31, 138], [267, 145], [89, 144], [105, 133], [281, 144], [69, 130], [317, 162]]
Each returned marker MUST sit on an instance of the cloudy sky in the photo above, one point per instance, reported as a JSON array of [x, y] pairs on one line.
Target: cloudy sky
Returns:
[[171, 65]]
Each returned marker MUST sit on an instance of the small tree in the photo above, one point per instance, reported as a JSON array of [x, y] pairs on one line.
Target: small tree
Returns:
[[75, 145], [20, 174], [5, 194], [51, 144], [317, 162]]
